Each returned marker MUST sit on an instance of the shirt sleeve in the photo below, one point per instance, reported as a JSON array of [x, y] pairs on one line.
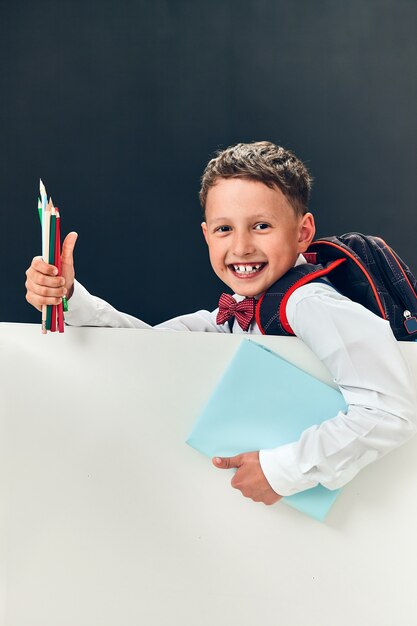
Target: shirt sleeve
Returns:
[[84, 309], [364, 359]]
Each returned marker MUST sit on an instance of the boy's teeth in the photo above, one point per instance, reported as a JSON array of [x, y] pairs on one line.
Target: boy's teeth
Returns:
[[247, 268]]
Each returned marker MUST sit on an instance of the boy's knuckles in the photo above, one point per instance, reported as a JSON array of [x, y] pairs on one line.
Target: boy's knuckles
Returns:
[[47, 281], [37, 262], [45, 292]]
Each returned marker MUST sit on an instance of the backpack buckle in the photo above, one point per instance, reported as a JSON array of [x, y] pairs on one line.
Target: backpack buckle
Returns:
[[410, 323]]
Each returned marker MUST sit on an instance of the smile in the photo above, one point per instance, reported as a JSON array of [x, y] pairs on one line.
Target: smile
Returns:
[[246, 270]]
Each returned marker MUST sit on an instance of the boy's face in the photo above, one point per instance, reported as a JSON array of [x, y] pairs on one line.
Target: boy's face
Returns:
[[253, 234]]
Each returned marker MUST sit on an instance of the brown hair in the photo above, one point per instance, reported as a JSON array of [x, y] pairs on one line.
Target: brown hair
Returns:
[[263, 161]]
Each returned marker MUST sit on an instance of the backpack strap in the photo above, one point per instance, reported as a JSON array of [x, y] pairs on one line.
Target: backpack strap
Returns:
[[361, 267], [376, 277], [270, 312], [356, 280]]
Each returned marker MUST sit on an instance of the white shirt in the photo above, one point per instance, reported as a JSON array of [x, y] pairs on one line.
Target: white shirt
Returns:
[[363, 357]]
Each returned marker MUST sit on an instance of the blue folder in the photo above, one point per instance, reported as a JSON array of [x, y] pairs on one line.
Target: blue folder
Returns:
[[263, 401]]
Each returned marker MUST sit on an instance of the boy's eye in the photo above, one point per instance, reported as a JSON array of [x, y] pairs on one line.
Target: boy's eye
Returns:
[[222, 229], [261, 226]]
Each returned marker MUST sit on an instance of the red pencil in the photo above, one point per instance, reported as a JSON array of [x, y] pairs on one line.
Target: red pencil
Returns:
[[54, 307], [60, 311]]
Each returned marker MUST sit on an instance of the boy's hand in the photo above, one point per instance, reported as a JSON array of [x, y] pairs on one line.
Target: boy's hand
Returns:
[[43, 286], [249, 477]]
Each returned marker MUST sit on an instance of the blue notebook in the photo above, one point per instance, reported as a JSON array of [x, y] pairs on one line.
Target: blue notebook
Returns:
[[263, 401]]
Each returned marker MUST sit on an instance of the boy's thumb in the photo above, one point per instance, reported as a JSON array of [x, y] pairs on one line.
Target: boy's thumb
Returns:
[[226, 463], [68, 248]]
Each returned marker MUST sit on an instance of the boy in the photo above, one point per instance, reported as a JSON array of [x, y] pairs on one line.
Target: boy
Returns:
[[256, 225]]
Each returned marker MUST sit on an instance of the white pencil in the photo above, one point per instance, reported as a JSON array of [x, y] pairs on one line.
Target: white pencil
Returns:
[[45, 241]]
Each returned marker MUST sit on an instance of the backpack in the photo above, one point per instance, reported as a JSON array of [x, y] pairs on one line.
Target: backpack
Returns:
[[361, 267]]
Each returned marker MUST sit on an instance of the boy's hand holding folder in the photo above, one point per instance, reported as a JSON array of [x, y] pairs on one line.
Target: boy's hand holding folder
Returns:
[[249, 477], [261, 402]]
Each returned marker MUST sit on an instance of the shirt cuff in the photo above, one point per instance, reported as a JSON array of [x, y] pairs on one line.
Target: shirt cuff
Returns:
[[280, 469], [82, 307]]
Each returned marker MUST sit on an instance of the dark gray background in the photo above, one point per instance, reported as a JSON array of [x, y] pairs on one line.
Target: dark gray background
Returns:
[[119, 105]]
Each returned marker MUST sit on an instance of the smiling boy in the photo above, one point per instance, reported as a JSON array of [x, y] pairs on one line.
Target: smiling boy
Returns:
[[257, 226], [253, 234]]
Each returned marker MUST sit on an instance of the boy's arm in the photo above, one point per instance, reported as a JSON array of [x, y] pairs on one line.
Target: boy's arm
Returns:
[[84, 309], [364, 359], [44, 286]]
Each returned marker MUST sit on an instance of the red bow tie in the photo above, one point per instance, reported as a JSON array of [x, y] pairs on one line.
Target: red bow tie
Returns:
[[244, 311]]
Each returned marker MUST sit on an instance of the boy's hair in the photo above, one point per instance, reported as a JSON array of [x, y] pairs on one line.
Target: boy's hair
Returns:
[[263, 161]]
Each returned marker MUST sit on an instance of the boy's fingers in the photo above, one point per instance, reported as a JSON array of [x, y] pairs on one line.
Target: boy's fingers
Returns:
[[43, 285], [46, 286], [38, 301], [39, 265], [228, 462], [67, 262], [68, 246], [35, 279]]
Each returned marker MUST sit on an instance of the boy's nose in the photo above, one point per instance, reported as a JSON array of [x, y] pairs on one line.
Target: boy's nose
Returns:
[[243, 245]]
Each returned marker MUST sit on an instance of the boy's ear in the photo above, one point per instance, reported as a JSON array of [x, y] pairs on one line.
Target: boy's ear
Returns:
[[307, 230], [204, 229]]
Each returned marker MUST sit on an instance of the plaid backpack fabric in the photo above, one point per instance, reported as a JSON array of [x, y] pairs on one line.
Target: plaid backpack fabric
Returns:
[[361, 267]]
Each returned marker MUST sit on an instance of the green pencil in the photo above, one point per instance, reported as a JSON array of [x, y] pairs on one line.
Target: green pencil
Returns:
[[51, 261]]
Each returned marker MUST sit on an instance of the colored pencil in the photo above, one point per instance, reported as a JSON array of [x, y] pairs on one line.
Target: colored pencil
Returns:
[[46, 225], [42, 192], [51, 258], [52, 314], [60, 313]]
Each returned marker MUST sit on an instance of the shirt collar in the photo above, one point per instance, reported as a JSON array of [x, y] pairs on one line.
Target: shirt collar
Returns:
[[300, 261]]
